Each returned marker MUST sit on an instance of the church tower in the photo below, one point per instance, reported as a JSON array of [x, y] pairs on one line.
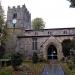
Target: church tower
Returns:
[[18, 17], [18, 20]]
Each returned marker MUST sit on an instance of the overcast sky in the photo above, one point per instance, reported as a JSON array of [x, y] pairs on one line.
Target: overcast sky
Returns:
[[55, 13]]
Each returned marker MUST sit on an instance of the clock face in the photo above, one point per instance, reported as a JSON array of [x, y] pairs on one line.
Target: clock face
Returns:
[[14, 21]]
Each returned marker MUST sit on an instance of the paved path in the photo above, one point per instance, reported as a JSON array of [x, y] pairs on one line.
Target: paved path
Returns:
[[55, 69]]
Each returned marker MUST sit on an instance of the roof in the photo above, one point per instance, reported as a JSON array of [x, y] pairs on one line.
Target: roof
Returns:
[[50, 29]]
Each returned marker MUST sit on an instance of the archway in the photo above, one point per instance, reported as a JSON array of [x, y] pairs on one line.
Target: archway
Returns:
[[51, 52]]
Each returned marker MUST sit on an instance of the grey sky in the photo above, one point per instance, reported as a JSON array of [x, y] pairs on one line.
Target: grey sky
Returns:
[[56, 13]]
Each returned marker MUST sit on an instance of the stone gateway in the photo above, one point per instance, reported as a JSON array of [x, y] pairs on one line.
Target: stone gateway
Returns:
[[47, 43]]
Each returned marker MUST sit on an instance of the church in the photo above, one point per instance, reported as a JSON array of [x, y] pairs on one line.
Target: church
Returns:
[[47, 43]]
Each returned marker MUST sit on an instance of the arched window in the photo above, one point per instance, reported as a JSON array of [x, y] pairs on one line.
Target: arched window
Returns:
[[34, 43], [14, 15]]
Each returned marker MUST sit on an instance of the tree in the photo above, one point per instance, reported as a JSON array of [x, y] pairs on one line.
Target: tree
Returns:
[[3, 40], [2, 32], [66, 46], [38, 23], [72, 3], [1, 17]]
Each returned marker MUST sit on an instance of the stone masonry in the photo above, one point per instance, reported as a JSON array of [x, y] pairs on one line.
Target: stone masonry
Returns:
[[26, 41], [22, 16]]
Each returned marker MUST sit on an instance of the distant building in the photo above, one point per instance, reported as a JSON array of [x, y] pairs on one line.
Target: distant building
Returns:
[[47, 43]]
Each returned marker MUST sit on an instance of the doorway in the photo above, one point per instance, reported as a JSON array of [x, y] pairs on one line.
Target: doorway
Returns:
[[52, 52]]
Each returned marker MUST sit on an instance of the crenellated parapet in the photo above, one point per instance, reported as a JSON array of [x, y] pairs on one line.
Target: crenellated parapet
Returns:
[[18, 7]]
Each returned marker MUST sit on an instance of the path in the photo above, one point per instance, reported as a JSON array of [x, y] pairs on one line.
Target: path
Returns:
[[54, 69]]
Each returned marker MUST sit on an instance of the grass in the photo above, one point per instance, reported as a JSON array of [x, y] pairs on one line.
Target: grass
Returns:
[[36, 69], [67, 70], [6, 71]]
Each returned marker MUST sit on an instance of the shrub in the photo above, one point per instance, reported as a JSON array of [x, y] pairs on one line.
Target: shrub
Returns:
[[16, 60], [74, 59], [5, 73], [7, 56], [35, 57], [2, 51], [62, 59], [71, 66], [42, 60]]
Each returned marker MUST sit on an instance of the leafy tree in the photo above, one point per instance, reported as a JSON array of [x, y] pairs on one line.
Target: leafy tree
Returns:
[[35, 57], [72, 3], [3, 39], [2, 32], [66, 46], [1, 17], [38, 23], [16, 60], [4, 35], [1, 21]]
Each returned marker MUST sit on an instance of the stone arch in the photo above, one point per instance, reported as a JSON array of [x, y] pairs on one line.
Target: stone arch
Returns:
[[51, 52], [52, 41]]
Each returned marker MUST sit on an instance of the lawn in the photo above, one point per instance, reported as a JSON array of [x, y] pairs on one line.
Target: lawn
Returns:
[[6, 71], [34, 69], [67, 70]]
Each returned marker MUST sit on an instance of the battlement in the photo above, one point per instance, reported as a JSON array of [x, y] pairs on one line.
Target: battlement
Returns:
[[23, 7], [14, 7]]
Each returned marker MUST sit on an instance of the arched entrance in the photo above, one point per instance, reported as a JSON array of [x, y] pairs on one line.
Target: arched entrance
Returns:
[[51, 52]]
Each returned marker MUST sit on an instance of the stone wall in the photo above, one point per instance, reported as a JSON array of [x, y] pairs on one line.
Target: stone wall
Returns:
[[44, 39], [21, 36], [51, 32]]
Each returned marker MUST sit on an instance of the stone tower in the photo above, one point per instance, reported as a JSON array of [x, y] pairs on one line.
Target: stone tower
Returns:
[[18, 20], [20, 15]]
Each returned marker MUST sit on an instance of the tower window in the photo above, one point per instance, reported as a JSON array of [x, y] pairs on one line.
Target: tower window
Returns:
[[14, 15]]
